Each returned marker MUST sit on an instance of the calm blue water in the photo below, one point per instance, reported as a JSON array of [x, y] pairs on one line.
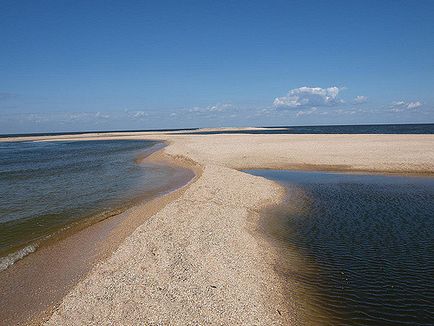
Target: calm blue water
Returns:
[[47, 186], [86, 132], [427, 128], [360, 247], [343, 129]]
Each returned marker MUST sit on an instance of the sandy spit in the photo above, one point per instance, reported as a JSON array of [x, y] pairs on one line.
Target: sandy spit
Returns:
[[365, 153], [201, 260], [197, 261]]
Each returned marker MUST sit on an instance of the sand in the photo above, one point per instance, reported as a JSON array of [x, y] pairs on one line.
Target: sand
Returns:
[[32, 286], [366, 153], [201, 259]]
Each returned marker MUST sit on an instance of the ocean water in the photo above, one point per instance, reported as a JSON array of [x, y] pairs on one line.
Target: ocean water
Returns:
[[360, 248], [47, 187], [87, 132], [427, 128], [417, 128]]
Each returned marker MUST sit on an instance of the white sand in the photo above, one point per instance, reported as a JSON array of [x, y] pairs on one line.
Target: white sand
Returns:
[[200, 259]]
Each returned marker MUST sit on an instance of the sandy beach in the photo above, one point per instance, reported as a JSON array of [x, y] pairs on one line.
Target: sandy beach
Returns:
[[201, 258], [217, 163]]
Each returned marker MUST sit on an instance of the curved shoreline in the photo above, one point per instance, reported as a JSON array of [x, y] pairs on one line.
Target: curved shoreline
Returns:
[[20, 251], [269, 250], [32, 286], [235, 270], [200, 258]]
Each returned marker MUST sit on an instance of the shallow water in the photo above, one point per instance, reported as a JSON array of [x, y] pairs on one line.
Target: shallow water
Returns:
[[360, 248], [46, 187]]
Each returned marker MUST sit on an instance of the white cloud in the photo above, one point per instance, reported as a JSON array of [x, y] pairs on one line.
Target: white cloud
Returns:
[[399, 106], [398, 103], [212, 108], [360, 99], [139, 114], [307, 112], [77, 116], [346, 112], [265, 111], [414, 105], [37, 118], [304, 97], [100, 115]]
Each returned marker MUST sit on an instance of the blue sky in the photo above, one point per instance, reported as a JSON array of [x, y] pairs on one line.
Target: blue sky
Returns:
[[98, 65]]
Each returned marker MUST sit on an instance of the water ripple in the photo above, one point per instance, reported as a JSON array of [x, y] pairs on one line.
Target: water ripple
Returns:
[[365, 246]]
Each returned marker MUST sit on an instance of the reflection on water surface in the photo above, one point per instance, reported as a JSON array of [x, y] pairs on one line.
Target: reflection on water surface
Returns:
[[364, 246]]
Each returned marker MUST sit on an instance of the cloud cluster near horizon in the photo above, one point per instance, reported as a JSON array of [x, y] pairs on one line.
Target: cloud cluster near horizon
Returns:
[[399, 106], [317, 101], [211, 108], [360, 99], [300, 105], [308, 97]]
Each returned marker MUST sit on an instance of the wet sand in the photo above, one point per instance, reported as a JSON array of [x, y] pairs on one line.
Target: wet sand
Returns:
[[33, 286], [201, 258]]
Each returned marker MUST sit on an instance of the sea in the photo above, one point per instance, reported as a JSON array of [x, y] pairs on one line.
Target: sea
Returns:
[[419, 128], [47, 188], [358, 248], [332, 129]]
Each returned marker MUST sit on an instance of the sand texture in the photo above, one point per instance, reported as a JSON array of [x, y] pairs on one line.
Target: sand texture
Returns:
[[197, 261], [201, 260], [366, 153]]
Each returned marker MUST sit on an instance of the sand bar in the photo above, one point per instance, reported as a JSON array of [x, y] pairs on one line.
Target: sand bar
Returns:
[[200, 259]]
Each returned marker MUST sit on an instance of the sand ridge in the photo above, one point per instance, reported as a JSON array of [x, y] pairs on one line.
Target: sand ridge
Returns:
[[200, 259], [197, 261], [404, 153]]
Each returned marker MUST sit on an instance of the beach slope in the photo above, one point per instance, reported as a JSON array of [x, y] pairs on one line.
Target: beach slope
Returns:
[[197, 261], [202, 258]]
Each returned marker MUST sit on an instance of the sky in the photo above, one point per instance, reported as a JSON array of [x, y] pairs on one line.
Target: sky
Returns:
[[119, 65]]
